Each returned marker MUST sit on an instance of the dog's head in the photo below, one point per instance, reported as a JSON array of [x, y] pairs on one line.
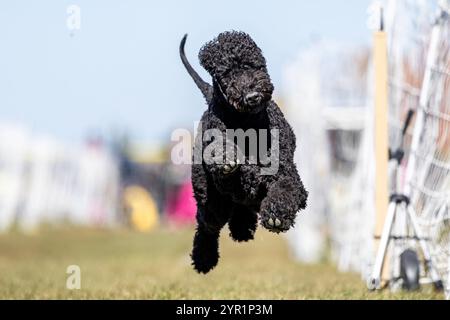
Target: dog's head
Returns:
[[239, 71]]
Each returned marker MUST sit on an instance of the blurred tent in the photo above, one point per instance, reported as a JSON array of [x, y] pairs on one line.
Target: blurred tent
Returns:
[[45, 181]]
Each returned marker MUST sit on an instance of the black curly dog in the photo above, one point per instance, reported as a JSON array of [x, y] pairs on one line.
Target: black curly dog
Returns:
[[235, 192]]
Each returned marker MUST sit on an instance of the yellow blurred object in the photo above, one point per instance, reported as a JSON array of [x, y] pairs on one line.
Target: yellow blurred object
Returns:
[[142, 207]]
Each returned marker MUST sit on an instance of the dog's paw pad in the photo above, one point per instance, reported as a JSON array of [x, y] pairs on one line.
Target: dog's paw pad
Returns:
[[277, 225], [277, 222]]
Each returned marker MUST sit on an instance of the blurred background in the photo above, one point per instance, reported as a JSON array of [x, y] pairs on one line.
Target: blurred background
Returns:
[[90, 92]]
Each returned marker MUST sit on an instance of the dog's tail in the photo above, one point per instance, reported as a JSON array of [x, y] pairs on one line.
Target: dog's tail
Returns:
[[204, 87]]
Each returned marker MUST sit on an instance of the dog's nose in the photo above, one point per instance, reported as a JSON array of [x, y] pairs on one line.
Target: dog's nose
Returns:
[[253, 98]]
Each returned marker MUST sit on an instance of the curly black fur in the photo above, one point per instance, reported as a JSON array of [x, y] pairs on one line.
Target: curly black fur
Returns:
[[240, 98]]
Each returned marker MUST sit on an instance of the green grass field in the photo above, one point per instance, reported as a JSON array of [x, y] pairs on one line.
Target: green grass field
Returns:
[[128, 265]]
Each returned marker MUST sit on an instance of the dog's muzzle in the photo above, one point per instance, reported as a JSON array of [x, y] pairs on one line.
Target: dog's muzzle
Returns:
[[253, 99]]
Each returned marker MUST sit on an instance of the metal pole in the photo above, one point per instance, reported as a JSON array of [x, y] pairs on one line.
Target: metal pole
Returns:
[[374, 281]]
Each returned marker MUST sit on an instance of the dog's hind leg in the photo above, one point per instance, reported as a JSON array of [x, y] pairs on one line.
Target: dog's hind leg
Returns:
[[243, 223], [211, 217], [205, 252]]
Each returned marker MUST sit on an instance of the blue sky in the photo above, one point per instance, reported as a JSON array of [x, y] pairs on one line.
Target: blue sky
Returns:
[[122, 69]]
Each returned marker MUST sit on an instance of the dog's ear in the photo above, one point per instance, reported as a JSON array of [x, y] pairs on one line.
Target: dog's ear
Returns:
[[208, 57]]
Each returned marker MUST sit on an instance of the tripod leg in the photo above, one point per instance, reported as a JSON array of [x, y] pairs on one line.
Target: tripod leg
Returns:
[[425, 249], [399, 245], [374, 281]]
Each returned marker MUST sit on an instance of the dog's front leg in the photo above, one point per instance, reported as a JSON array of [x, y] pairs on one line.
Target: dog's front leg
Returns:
[[223, 165]]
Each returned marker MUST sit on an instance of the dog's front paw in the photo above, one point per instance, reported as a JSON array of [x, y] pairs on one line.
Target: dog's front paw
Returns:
[[230, 166], [231, 160], [275, 220]]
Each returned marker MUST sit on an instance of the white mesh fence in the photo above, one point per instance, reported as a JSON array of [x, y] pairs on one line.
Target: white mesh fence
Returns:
[[430, 183]]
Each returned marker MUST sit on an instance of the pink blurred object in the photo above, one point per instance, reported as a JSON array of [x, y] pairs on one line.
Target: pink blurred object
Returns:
[[181, 208]]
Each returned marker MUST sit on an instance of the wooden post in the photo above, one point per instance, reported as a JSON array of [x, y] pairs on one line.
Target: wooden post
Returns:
[[381, 138]]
